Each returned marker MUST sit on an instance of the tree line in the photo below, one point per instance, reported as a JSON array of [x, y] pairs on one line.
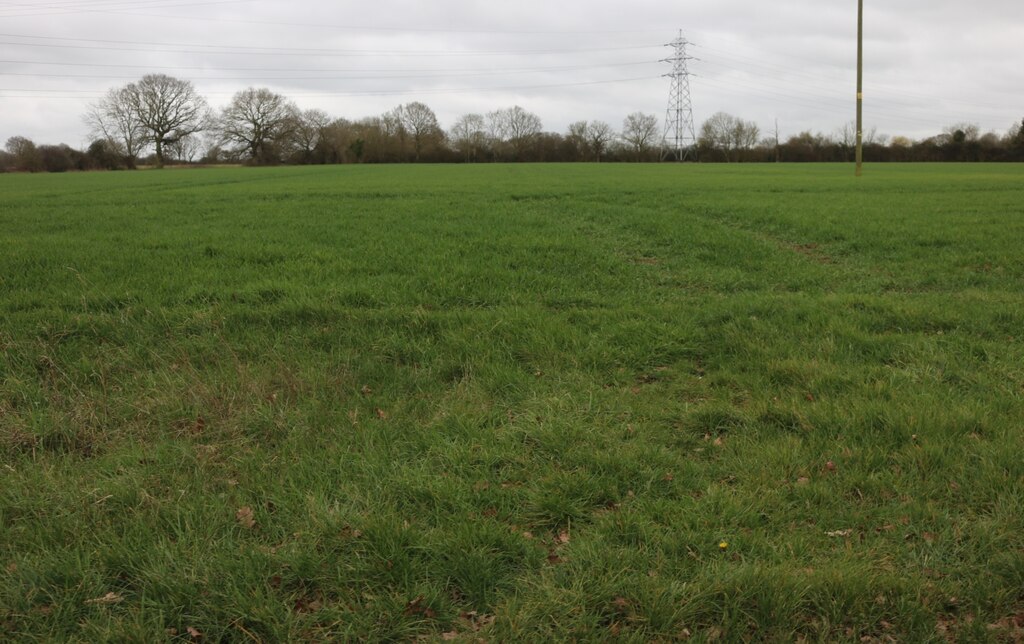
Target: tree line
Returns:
[[160, 119], [726, 138]]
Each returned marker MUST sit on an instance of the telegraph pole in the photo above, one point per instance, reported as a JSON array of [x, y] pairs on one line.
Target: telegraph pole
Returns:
[[860, 87], [679, 137]]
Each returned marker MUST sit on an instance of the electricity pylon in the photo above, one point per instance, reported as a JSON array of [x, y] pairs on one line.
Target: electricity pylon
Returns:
[[679, 140]]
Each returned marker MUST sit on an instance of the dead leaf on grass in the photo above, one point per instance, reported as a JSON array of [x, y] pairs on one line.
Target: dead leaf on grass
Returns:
[[194, 633], [416, 607], [308, 604], [1012, 625], [381, 414], [109, 598], [475, 621], [246, 518]]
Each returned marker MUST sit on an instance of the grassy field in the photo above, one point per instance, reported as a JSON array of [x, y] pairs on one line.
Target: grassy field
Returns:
[[513, 403]]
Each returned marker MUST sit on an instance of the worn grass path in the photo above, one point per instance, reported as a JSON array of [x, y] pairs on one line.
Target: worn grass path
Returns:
[[513, 402]]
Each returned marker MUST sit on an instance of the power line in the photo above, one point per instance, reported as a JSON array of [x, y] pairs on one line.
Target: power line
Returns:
[[877, 88], [928, 117], [22, 6], [318, 70], [162, 6], [362, 28], [419, 74], [85, 93], [296, 51]]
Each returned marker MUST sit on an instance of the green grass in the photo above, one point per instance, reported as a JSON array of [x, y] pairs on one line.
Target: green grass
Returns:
[[513, 402]]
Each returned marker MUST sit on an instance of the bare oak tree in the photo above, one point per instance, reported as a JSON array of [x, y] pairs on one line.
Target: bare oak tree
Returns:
[[256, 121], [469, 136], [640, 131], [729, 135], [516, 127], [25, 154], [113, 120], [589, 140], [599, 137], [578, 140], [167, 108], [309, 131], [187, 148], [420, 124]]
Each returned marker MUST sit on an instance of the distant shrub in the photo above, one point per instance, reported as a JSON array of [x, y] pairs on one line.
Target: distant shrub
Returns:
[[57, 158]]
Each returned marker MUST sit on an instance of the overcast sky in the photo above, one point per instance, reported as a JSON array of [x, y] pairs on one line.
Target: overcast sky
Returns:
[[929, 63]]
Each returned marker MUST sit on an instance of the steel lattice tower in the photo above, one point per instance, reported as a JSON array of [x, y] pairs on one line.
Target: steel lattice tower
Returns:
[[679, 140]]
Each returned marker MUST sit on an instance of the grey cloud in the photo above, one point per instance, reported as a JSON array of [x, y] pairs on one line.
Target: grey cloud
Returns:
[[929, 63]]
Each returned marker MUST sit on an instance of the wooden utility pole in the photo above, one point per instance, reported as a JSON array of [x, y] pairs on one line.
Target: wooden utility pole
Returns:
[[860, 87]]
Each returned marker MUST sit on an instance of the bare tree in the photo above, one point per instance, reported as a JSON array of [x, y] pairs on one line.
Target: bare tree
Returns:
[[256, 121], [394, 143], [599, 136], [578, 140], [25, 154], [516, 127], [728, 134], [1015, 135], [716, 133], [846, 138], [469, 136], [340, 143], [959, 133], [168, 109], [309, 129], [113, 119], [640, 131], [186, 148], [744, 136], [420, 123]]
